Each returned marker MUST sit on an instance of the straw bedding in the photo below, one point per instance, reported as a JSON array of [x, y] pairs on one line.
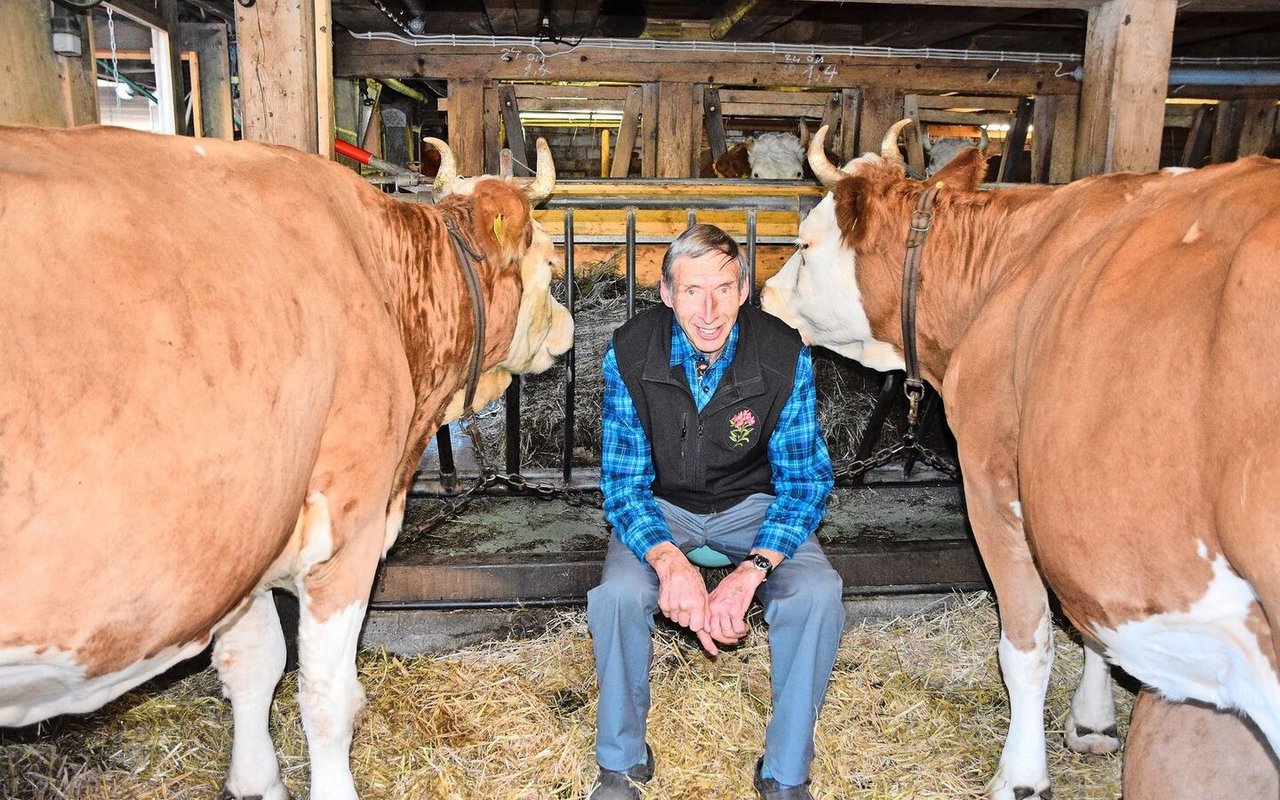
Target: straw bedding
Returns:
[[915, 710]]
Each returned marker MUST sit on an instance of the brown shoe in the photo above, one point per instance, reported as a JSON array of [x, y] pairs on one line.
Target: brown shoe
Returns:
[[769, 789], [624, 785]]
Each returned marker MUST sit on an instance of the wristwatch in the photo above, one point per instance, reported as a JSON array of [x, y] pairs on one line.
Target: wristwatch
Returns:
[[761, 563]]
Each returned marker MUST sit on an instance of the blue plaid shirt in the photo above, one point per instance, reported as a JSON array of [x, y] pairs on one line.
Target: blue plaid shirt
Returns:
[[802, 475]]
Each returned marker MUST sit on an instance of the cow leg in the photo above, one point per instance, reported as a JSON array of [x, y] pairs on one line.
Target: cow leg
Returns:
[[1091, 725], [250, 655], [1026, 630], [333, 594]]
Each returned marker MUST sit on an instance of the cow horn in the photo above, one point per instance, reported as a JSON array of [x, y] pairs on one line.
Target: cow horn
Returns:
[[889, 147], [545, 179], [822, 167], [448, 172]]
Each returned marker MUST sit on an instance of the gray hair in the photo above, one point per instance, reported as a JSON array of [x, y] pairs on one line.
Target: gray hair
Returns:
[[698, 240]]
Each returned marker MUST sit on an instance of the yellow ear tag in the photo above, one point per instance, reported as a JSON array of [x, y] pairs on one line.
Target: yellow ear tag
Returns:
[[939, 184], [498, 227]]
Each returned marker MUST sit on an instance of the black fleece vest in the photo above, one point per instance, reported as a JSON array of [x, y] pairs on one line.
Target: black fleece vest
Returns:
[[707, 462]]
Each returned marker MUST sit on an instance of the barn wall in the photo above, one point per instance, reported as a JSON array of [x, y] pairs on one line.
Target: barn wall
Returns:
[[39, 87]]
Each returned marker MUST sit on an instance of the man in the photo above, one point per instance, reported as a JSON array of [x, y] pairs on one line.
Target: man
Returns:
[[711, 440]]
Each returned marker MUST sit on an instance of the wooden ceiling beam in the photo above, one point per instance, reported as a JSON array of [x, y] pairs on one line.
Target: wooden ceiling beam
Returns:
[[512, 17], [748, 20], [1183, 5], [360, 57], [916, 30]]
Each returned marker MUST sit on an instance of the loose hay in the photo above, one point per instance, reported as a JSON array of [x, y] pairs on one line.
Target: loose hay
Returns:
[[915, 710]]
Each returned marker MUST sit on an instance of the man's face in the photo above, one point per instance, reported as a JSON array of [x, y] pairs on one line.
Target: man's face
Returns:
[[706, 299]]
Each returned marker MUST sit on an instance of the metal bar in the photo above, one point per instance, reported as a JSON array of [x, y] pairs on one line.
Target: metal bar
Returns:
[[767, 203], [570, 364], [513, 424], [444, 449], [631, 263], [751, 253], [889, 393], [692, 217]]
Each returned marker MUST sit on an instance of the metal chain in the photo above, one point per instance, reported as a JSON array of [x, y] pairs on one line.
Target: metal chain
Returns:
[[858, 467], [115, 63]]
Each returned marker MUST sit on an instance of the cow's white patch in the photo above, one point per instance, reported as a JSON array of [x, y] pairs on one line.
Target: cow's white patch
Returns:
[[329, 695], [1093, 709], [38, 683], [1177, 170], [816, 292], [1192, 234], [1026, 677], [1206, 653], [199, 150], [250, 656], [395, 519], [1016, 508]]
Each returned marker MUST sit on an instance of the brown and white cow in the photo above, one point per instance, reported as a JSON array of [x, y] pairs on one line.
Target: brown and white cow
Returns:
[[221, 365], [1109, 356]]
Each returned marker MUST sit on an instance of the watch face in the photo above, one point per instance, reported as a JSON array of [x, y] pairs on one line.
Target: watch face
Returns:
[[762, 563]]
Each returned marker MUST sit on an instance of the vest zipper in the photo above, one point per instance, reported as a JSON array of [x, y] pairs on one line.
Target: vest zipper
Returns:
[[684, 431]]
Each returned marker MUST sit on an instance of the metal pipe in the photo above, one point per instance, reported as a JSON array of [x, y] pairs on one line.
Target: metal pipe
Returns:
[[405, 89], [751, 252], [631, 263], [570, 363], [344, 148], [513, 425], [1199, 76]]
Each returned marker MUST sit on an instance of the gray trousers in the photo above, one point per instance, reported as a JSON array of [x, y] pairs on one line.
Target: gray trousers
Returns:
[[802, 607]]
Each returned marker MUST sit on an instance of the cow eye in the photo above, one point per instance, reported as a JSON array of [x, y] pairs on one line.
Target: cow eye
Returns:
[[802, 245]]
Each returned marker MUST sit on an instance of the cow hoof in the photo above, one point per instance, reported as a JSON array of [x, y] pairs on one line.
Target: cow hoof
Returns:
[[1082, 739], [1005, 792], [283, 794]]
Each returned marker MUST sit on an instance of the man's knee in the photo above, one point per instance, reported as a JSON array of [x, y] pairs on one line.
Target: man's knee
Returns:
[[620, 599], [817, 593]]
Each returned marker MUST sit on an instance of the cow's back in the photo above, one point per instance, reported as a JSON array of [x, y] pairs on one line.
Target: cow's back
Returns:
[[1140, 359], [176, 318]]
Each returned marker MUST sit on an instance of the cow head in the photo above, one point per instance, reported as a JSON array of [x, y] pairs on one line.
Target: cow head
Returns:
[[858, 227], [543, 327], [776, 156]]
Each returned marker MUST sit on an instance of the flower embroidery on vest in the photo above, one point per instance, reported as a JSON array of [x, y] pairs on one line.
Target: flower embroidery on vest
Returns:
[[740, 427]]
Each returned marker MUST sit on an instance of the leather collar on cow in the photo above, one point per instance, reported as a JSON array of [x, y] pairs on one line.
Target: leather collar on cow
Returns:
[[921, 220], [466, 258]]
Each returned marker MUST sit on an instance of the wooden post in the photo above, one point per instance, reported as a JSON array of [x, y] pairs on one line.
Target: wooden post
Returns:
[[850, 119], [466, 124], [1015, 141], [675, 120], [42, 88], [1226, 131], [715, 122], [1259, 127], [510, 109], [1196, 149], [1126, 77], [914, 143], [209, 42], [626, 143], [491, 119], [276, 40], [324, 80], [649, 132], [1063, 145], [880, 109]]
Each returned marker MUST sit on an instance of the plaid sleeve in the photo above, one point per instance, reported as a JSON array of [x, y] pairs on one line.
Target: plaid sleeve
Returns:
[[802, 474], [626, 468]]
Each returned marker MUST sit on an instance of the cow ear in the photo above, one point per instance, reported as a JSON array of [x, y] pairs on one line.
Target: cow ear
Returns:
[[965, 171], [501, 218], [850, 197], [750, 143]]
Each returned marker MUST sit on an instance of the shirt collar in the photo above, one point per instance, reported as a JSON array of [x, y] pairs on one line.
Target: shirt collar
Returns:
[[683, 350]]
